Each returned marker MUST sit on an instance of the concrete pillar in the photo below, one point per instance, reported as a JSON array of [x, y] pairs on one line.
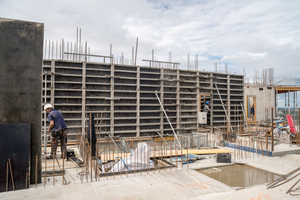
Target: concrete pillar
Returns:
[[178, 102], [162, 101], [21, 56], [138, 98], [112, 102], [83, 104]]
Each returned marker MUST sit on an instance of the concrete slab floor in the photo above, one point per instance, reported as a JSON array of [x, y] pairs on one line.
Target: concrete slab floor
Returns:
[[174, 184]]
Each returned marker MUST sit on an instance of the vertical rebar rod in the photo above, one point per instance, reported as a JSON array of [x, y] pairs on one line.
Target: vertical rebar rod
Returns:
[[101, 163], [6, 176], [261, 148], [298, 134], [49, 50], [107, 158], [132, 166], [96, 163], [104, 156], [235, 150], [27, 180], [267, 142], [91, 154], [121, 150], [136, 48], [126, 163], [118, 163], [227, 126], [170, 153], [56, 52], [36, 170], [181, 155], [79, 46], [154, 155], [144, 160], [53, 170], [63, 171], [272, 129], [136, 158], [45, 167], [252, 145], [176, 155], [161, 151], [188, 61], [71, 51], [113, 151], [140, 158], [45, 54], [187, 152]]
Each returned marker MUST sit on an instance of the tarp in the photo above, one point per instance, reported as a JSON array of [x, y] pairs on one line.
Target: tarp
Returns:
[[139, 159], [291, 123]]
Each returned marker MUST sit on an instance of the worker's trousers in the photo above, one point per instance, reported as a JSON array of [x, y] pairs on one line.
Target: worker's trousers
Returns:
[[61, 136]]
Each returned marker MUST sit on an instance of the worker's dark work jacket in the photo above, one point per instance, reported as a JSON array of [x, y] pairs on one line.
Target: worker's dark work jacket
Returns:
[[59, 122]]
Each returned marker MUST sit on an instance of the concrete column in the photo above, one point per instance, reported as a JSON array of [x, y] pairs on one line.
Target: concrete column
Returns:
[[178, 102], [138, 91], [211, 100], [52, 82], [83, 98], [112, 102], [228, 100], [162, 101], [197, 93]]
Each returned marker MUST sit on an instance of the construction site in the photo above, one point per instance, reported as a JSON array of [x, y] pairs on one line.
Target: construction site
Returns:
[[158, 131]]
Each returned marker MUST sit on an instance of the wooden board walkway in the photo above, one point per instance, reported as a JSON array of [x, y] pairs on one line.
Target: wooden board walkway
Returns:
[[167, 153]]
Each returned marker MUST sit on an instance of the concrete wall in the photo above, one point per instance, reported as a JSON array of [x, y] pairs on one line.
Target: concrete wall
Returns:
[[265, 100], [21, 55]]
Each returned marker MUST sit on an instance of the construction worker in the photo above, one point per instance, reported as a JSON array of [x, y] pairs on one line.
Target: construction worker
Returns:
[[57, 128], [252, 112], [206, 109]]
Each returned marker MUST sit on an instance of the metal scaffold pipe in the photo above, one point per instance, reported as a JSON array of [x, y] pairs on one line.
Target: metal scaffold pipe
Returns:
[[224, 108], [167, 118]]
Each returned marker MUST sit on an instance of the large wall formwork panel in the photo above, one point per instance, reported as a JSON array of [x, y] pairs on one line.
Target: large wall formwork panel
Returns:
[[21, 57], [125, 94], [231, 91]]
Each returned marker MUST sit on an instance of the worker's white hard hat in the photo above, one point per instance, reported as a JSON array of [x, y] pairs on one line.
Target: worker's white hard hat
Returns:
[[48, 105]]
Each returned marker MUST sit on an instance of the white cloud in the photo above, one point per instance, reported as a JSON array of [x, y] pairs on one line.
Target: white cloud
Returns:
[[245, 34]]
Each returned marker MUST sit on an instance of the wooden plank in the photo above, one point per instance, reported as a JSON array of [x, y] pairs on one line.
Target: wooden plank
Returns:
[[104, 141], [283, 88], [167, 138], [158, 154], [252, 123]]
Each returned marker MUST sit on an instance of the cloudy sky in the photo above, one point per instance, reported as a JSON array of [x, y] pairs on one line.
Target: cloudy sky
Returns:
[[242, 34]]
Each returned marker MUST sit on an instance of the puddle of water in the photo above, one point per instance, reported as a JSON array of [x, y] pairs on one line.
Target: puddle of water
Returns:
[[239, 176]]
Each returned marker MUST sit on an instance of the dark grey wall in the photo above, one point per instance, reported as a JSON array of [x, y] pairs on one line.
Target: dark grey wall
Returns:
[[21, 55]]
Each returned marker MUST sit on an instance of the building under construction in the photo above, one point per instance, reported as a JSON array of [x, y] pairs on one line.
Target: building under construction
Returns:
[[128, 97], [149, 125]]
